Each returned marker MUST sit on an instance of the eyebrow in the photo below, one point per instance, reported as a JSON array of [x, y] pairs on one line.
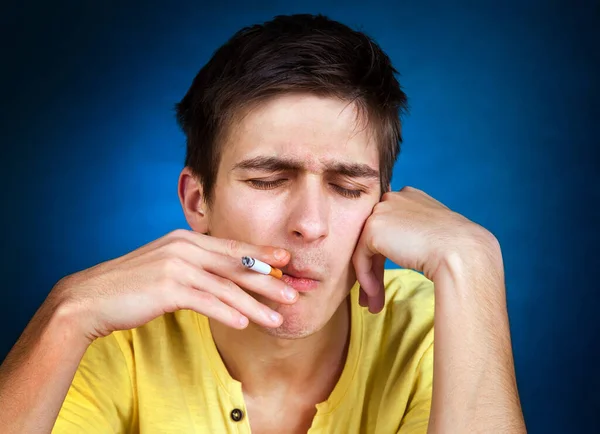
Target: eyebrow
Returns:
[[278, 164]]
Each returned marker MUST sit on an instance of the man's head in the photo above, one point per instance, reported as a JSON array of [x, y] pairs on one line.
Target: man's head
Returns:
[[292, 132]]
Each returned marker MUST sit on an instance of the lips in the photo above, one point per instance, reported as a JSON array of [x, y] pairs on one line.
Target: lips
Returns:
[[300, 284], [301, 281]]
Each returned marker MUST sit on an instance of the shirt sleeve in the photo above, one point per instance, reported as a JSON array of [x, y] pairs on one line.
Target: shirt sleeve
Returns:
[[416, 418], [100, 398]]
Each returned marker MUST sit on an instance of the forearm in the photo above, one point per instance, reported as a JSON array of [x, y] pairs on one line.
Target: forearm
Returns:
[[474, 385], [36, 375]]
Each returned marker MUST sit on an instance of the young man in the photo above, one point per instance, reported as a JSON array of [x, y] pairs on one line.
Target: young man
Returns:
[[292, 130]]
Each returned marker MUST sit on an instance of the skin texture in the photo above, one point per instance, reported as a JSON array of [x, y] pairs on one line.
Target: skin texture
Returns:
[[304, 214], [328, 232]]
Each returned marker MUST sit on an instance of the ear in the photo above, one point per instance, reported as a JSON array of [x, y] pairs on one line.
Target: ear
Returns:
[[191, 197]]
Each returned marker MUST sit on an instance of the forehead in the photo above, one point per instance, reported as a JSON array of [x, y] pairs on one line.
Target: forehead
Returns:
[[307, 127]]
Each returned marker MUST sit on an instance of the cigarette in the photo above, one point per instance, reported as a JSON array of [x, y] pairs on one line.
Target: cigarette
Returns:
[[261, 267]]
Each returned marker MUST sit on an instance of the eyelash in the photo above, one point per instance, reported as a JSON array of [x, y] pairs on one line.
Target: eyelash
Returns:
[[267, 185]]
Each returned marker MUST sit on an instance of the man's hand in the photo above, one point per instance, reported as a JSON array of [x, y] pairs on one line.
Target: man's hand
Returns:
[[414, 231], [474, 385], [182, 270]]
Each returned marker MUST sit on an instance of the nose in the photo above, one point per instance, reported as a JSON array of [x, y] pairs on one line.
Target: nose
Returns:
[[309, 213]]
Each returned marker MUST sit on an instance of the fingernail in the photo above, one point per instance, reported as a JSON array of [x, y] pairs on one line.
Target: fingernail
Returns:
[[289, 293], [274, 316], [243, 321], [279, 254]]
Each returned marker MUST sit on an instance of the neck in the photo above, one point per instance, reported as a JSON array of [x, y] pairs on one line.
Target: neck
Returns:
[[265, 364]]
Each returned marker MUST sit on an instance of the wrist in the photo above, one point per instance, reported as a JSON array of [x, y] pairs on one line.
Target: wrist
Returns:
[[68, 316], [67, 321], [475, 269]]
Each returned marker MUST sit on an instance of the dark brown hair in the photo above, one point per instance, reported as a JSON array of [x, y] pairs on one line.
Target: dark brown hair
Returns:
[[296, 53]]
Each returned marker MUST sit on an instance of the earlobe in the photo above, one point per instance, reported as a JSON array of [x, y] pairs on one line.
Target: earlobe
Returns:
[[191, 198]]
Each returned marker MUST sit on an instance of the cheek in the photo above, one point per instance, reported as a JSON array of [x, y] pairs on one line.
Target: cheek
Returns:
[[245, 218], [346, 230]]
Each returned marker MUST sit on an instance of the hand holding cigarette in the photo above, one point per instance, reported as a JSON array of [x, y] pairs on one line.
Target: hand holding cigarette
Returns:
[[181, 270]]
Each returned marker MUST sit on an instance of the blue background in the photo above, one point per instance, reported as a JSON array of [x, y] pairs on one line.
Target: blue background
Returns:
[[503, 129]]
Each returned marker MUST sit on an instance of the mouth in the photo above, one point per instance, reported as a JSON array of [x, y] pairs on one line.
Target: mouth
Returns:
[[301, 282]]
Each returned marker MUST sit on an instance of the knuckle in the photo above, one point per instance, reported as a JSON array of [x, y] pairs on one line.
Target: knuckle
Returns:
[[175, 247], [227, 297], [172, 266], [388, 195], [203, 296], [168, 251], [228, 290], [373, 243], [371, 224], [230, 286], [206, 298], [409, 190], [378, 209], [180, 233], [233, 247], [371, 229], [174, 234]]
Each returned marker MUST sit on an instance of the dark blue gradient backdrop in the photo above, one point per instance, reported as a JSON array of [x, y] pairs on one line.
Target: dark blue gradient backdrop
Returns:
[[503, 129]]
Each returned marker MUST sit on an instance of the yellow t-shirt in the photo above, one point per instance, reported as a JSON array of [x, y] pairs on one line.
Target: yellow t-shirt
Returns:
[[167, 376]]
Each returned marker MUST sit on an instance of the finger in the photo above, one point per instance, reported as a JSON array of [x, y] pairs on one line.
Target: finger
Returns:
[[363, 298], [422, 196], [230, 294], [236, 297], [273, 256], [362, 259], [232, 269], [377, 301], [208, 305]]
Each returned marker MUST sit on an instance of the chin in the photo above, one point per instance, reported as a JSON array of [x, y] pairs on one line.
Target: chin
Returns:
[[287, 333], [304, 318], [295, 326]]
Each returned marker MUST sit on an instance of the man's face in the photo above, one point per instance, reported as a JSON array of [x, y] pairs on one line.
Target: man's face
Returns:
[[299, 172]]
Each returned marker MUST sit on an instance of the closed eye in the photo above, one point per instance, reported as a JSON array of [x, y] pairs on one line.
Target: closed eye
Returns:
[[353, 194], [268, 185]]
